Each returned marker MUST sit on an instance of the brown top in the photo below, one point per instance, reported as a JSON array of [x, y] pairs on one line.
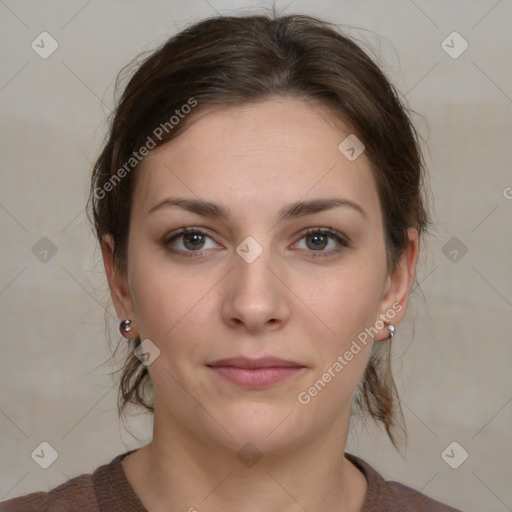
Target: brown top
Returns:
[[108, 490]]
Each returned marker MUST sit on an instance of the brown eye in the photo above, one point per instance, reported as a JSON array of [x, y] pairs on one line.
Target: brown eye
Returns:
[[188, 241], [317, 240], [193, 241]]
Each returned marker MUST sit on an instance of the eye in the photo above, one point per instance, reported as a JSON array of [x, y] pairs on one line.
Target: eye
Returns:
[[193, 240], [319, 240]]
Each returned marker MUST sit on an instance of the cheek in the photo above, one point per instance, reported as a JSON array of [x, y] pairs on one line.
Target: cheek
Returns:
[[341, 357], [348, 307], [165, 303], [346, 303], [169, 305]]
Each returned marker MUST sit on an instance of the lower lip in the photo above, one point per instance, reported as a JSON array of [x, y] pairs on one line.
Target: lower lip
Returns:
[[255, 377]]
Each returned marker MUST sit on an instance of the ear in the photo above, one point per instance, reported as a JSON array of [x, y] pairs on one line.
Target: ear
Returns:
[[117, 281], [398, 285]]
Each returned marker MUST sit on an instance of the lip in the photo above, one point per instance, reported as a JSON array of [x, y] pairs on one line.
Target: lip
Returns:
[[255, 362], [255, 373]]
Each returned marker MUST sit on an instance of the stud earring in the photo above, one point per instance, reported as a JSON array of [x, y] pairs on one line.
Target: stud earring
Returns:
[[125, 328], [391, 329]]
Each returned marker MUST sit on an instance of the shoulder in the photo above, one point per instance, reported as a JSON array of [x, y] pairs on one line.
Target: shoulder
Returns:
[[409, 499], [75, 494], [388, 496], [86, 492]]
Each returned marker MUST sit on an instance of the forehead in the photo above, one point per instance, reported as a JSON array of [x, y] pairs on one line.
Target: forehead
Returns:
[[258, 156]]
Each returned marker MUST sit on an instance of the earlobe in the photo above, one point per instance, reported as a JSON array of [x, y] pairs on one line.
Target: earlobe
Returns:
[[127, 329]]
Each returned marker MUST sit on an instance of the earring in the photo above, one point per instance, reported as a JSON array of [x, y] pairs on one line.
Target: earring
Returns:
[[391, 329], [125, 327]]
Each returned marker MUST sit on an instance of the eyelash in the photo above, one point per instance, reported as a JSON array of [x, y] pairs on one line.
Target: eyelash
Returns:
[[340, 239]]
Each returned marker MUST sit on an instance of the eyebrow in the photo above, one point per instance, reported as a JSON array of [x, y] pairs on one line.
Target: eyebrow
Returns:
[[293, 210]]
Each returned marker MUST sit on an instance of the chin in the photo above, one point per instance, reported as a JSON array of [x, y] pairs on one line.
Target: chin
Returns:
[[259, 425]]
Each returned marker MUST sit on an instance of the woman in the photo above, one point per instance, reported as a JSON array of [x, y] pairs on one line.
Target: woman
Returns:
[[259, 207]]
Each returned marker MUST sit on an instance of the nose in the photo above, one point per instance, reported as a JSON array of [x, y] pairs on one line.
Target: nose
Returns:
[[257, 296]]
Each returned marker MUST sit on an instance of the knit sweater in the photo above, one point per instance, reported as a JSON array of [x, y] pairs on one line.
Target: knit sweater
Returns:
[[108, 490]]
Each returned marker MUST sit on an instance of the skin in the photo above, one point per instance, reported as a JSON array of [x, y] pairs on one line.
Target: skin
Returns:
[[254, 160]]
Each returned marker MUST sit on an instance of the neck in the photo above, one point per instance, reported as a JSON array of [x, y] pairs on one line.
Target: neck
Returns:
[[178, 471]]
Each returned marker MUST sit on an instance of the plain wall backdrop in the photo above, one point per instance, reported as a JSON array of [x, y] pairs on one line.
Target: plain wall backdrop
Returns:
[[452, 353]]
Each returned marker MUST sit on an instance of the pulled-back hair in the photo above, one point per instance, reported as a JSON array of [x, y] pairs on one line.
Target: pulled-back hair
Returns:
[[234, 60]]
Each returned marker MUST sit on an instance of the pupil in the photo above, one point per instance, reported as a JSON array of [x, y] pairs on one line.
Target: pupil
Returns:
[[193, 238], [318, 238]]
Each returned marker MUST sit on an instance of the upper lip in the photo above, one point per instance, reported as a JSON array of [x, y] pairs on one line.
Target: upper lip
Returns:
[[261, 362]]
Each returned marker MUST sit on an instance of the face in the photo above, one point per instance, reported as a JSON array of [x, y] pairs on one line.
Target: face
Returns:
[[262, 280]]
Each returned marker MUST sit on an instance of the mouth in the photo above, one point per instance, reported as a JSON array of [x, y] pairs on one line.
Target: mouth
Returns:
[[255, 373]]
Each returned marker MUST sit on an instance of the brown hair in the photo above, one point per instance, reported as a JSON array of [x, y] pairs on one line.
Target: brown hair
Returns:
[[232, 60]]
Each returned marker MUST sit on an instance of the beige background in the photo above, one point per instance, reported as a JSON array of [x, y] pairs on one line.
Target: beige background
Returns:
[[454, 373]]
